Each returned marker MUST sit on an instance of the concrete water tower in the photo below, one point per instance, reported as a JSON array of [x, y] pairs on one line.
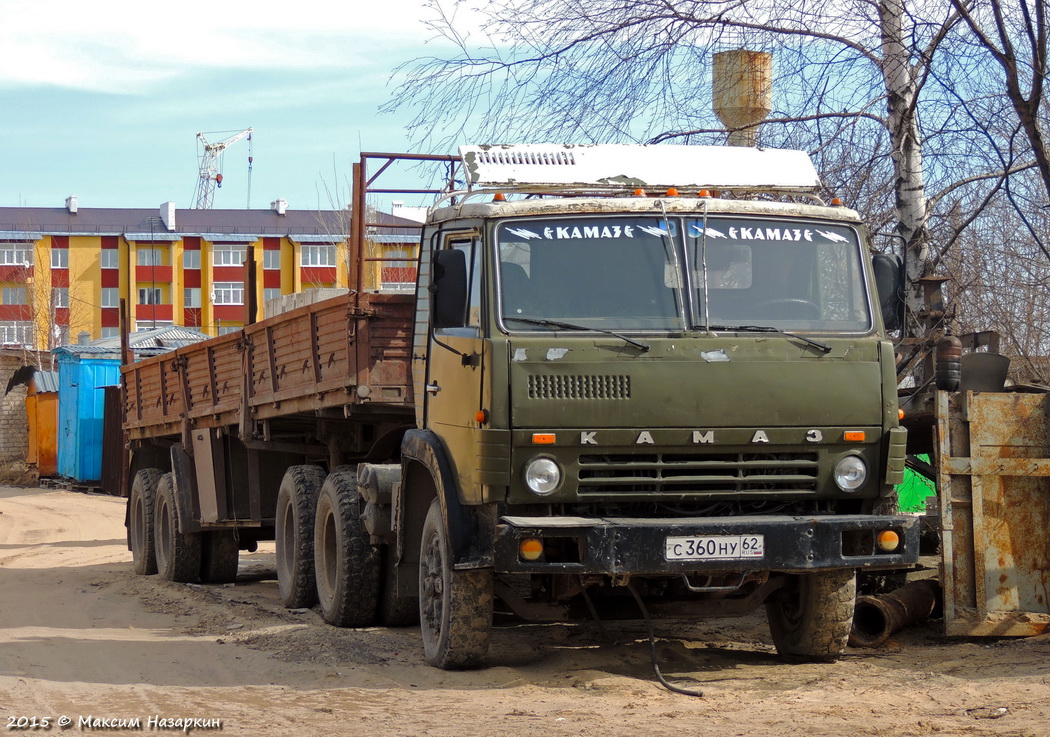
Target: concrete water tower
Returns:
[[742, 92]]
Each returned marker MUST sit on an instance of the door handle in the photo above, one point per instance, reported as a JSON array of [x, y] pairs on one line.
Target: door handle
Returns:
[[433, 388]]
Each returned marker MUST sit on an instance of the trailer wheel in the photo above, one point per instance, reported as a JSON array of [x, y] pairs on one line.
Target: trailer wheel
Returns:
[[811, 618], [455, 607], [140, 521], [219, 553], [178, 553], [345, 561], [296, 502], [395, 610]]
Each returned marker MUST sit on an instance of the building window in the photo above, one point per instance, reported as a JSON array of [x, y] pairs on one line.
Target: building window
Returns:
[[60, 296], [271, 293], [16, 333], [60, 334], [151, 324], [149, 296], [109, 258], [59, 258], [271, 259], [228, 254], [110, 297], [191, 297], [398, 271], [16, 254], [150, 257], [318, 255], [110, 332], [228, 293], [227, 329], [14, 295], [191, 259]]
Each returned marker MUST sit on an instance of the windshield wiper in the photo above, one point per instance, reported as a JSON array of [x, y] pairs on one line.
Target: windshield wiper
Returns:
[[823, 347], [572, 326]]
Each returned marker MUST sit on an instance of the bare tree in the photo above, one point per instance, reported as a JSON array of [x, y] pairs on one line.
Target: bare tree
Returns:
[[851, 79]]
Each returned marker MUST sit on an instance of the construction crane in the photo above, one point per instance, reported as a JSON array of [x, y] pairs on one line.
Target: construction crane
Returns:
[[210, 157]]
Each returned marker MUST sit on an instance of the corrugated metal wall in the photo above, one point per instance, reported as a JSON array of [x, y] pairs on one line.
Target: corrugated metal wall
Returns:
[[81, 407]]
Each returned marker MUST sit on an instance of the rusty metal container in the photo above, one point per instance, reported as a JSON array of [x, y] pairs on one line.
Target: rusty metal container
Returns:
[[993, 479]]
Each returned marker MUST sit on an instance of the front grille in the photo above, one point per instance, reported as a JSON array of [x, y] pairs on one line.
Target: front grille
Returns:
[[580, 387], [684, 473]]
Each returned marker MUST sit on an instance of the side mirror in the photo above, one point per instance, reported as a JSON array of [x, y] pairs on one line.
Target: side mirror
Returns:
[[448, 290], [889, 281]]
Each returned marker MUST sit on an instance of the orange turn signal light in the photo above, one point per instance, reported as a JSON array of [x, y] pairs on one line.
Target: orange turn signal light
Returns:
[[900, 414], [481, 416], [530, 548], [853, 436], [888, 541], [543, 438]]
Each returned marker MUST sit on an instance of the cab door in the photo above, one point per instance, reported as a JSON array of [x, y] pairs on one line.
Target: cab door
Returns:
[[456, 369]]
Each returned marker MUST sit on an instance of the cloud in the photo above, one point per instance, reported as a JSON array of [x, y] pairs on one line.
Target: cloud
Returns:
[[124, 47]]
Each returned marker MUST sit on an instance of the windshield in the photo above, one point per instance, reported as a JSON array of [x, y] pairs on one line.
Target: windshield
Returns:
[[610, 273], [626, 273], [790, 275]]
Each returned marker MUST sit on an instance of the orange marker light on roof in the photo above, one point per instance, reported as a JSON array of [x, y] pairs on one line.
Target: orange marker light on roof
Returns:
[[836, 202], [543, 438], [705, 193], [639, 193], [853, 436], [499, 197], [672, 192]]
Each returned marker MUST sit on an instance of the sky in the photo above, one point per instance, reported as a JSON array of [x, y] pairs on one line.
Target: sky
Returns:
[[104, 100]]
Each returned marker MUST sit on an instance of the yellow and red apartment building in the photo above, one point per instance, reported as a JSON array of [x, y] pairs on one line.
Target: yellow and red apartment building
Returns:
[[64, 271]]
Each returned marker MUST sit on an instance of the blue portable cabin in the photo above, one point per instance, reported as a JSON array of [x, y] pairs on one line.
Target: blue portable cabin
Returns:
[[84, 370]]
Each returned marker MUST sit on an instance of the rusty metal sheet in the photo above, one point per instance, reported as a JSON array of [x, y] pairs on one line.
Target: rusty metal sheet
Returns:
[[994, 494]]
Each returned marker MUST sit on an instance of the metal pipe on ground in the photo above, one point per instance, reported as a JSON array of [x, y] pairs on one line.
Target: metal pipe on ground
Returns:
[[877, 617]]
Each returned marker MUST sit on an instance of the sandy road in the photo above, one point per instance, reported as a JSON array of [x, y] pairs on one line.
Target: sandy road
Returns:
[[82, 637]]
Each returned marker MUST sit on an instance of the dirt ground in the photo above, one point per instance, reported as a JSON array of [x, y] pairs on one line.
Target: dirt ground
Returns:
[[83, 638]]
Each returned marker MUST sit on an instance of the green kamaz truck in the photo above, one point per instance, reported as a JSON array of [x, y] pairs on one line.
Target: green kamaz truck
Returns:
[[632, 381]]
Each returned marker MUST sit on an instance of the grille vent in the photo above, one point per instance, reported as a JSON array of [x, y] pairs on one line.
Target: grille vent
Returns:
[[579, 387]]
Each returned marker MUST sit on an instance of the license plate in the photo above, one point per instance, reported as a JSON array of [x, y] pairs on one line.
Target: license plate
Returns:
[[715, 547]]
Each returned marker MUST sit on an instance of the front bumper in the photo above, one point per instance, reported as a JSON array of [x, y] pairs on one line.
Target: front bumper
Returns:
[[621, 546]]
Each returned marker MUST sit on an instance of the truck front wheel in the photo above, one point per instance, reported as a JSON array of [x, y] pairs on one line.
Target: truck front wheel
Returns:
[[346, 562], [178, 553], [141, 500], [455, 607], [811, 617], [296, 503]]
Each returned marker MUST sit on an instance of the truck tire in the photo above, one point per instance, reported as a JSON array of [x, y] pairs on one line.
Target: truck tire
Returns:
[[219, 553], [395, 610], [345, 561], [455, 607], [178, 553], [296, 503], [141, 500], [811, 618]]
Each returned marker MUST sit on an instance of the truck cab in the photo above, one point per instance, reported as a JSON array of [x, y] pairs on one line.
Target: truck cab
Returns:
[[649, 379]]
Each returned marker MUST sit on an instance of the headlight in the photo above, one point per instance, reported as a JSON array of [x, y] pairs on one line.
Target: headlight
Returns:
[[542, 475], [850, 473]]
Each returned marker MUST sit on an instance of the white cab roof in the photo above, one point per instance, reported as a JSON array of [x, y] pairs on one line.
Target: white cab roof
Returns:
[[624, 165]]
